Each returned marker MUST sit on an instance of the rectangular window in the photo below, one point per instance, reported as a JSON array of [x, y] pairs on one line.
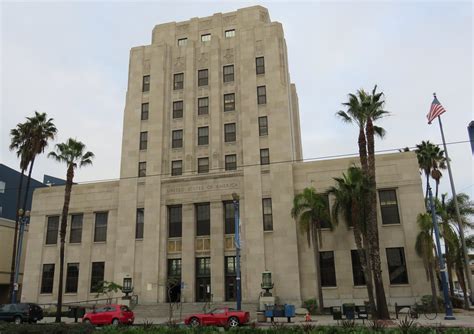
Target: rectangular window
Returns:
[[229, 132], [75, 235], [328, 270], [228, 73], [140, 223], [261, 95], [267, 214], [97, 275], [177, 139], [203, 267], [72, 277], [2, 187], [100, 231], [178, 81], [203, 165], [142, 169], [357, 273], [174, 267], [145, 107], [203, 219], [203, 279], [203, 135], [326, 223], [229, 102], [203, 106], [397, 267], [178, 109], [203, 77], [264, 156], [260, 65], [263, 126], [230, 278], [176, 167], [143, 140], [206, 38], [52, 230], [389, 206], [47, 278], [230, 33], [146, 83], [174, 221], [229, 217], [182, 41], [231, 162]]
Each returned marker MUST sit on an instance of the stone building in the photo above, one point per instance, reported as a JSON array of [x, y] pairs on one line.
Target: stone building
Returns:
[[211, 111]]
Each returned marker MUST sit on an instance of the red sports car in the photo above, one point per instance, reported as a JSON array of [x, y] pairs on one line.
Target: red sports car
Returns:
[[110, 315], [223, 316]]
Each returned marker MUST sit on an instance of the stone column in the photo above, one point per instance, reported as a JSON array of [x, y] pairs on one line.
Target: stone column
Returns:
[[187, 253], [217, 251]]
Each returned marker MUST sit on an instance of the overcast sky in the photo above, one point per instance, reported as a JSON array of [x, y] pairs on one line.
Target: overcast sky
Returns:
[[70, 60]]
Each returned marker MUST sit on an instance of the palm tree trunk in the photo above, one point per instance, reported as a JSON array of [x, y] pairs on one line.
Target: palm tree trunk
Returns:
[[363, 150], [25, 198], [15, 236], [317, 265], [369, 279], [434, 292], [437, 187], [62, 234], [462, 283], [449, 266]]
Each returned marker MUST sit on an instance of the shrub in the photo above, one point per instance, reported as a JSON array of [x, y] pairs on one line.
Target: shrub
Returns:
[[52, 328], [311, 305]]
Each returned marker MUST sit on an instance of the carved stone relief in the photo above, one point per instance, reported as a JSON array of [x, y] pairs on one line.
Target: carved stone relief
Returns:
[[205, 24], [228, 20], [263, 16], [229, 56], [183, 28], [179, 64], [259, 47], [203, 59]]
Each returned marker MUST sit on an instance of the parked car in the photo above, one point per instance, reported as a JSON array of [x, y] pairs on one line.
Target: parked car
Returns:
[[21, 312], [223, 316], [110, 315]]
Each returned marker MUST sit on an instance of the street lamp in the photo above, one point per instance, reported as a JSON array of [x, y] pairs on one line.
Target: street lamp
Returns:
[[24, 220], [127, 287], [235, 200]]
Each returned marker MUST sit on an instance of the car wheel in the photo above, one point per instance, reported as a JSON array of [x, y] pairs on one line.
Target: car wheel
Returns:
[[115, 322], [86, 321], [233, 322], [17, 320], [194, 322]]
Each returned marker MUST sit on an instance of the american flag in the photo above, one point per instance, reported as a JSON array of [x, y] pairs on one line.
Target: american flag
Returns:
[[435, 110]]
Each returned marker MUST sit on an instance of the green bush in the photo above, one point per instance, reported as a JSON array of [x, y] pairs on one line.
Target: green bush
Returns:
[[52, 328], [311, 305]]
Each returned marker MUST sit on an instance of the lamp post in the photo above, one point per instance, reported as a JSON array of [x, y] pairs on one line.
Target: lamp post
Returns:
[[24, 220], [235, 200]]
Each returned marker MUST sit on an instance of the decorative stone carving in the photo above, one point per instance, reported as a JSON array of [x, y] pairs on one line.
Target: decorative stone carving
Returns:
[[179, 64], [228, 20], [229, 56], [146, 66], [206, 24], [183, 28], [215, 155], [259, 47], [203, 59], [264, 16]]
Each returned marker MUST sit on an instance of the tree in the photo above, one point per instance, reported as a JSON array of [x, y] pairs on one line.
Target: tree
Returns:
[[425, 248], [349, 192], [430, 160], [310, 210], [73, 154], [29, 139]]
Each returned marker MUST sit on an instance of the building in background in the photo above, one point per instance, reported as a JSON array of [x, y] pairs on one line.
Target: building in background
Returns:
[[210, 111]]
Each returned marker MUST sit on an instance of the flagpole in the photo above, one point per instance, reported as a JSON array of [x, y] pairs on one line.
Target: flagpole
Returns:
[[458, 215]]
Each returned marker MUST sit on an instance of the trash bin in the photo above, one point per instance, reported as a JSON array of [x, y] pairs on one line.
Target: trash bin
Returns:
[[349, 310], [336, 313]]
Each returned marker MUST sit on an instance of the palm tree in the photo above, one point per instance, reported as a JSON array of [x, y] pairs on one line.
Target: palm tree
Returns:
[[72, 153], [349, 192], [424, 247], [311, 209], [430, 160]]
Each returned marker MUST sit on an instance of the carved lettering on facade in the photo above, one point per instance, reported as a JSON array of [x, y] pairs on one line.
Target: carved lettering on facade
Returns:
[[202, 187]]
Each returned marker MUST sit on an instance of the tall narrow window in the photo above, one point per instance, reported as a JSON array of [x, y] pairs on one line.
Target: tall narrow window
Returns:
[[228, 73], [328, 270], [230, 33], [263, 126], [140, 223], [203, 219], [326, 223], [72, 277], [100, 231], [144, 115], [174, 279], [203, 77], [176, 167], [97, 275], [146, 83], [47, 278], [397, 267], [206, 38], [142, 169], [230, 278], [75, 235], [178, 109], [203, 106], [267, 214], [203, 135], [174, 221], [203, 279], [357, 273], [177, 139], [260, 65], [178, 81], [229, 132], [264, 156], [143, 140], [52, 230], [203, 165], [229, 217], [182, 41], [231, 162], [229, 102], [261, 95], [389, 206]]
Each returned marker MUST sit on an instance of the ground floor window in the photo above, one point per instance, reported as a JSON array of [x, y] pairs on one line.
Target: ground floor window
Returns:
[[357, 272], [203, 279], [397, 268], [230, 278], [328, 270], [174, 281]]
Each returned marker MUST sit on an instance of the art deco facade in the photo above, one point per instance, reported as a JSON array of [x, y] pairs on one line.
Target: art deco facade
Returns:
[[211, 111]]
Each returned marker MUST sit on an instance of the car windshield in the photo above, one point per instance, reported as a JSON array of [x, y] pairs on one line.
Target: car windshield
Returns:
[[124, 308], [217, 311]]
